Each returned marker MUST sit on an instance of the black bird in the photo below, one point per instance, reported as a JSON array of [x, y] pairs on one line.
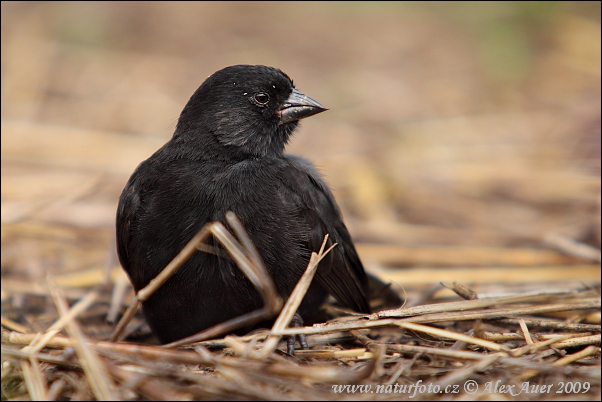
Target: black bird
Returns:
[[227, 154]]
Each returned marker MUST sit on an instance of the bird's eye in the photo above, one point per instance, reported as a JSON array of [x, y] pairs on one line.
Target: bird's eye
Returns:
[[261, 98]]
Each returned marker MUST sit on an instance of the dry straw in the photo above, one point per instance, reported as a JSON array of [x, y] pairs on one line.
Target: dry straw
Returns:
[[510, 339]]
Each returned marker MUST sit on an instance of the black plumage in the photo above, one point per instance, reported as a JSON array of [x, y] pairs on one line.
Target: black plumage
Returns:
[[227, 154]]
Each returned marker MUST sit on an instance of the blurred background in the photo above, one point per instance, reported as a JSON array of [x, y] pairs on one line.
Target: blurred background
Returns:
[[473, 125]]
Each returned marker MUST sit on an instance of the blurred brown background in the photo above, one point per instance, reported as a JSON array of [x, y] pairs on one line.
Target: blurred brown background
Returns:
[[460, 124]]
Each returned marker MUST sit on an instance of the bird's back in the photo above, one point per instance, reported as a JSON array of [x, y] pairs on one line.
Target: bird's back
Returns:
[[280, 201]]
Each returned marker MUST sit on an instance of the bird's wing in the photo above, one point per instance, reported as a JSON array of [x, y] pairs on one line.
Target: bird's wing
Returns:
[[341, 272], [155, 193], [127, 212]]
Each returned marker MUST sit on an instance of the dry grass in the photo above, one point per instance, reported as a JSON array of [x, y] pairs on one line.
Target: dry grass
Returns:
[[463, 347], [455, 344]]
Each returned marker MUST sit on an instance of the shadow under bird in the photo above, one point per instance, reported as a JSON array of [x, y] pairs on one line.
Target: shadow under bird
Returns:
[[227, 154]]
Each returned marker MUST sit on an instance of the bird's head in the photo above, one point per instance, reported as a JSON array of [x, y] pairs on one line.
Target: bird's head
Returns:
[[250, 110]]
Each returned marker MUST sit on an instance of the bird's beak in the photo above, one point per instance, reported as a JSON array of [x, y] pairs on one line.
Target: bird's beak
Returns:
[[298, 106]]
